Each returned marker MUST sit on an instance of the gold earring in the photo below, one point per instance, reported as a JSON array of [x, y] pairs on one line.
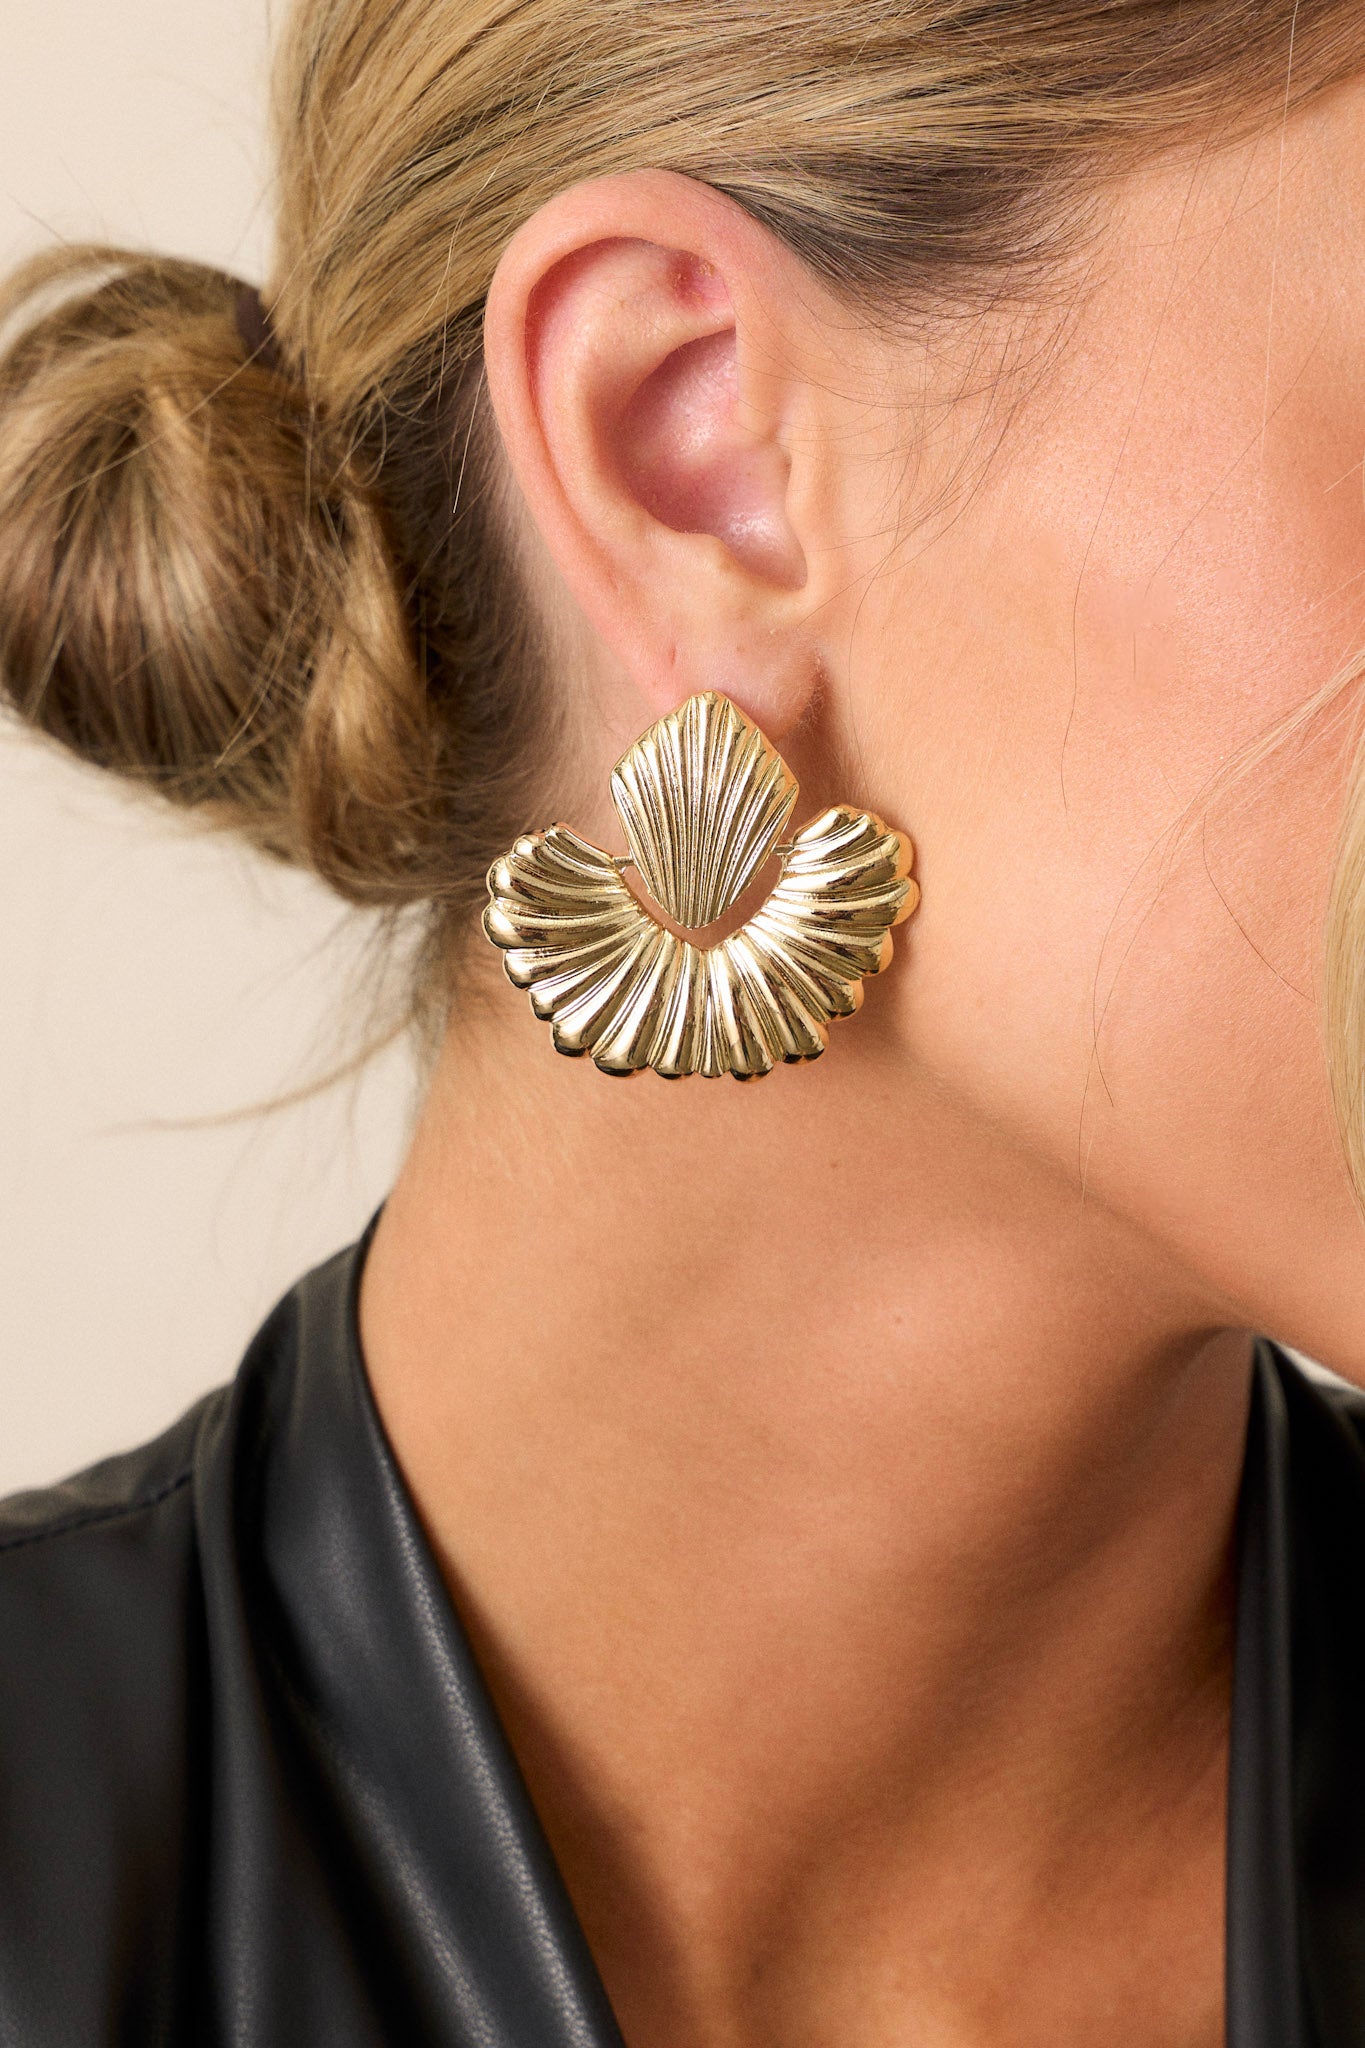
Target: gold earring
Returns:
[[703, 798]]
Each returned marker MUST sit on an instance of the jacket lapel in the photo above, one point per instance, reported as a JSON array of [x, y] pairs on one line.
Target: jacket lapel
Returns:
[[1317, 1524], [1264, 1995], [412, 1895]]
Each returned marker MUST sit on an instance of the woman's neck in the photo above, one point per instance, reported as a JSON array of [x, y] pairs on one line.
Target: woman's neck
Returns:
[[841, 1509]]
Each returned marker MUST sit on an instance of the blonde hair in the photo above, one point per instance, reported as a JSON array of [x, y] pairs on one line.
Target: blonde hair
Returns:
[[284, 592]]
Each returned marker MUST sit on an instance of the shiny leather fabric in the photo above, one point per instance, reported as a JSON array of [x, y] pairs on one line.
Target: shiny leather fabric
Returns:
[[253, 1790]]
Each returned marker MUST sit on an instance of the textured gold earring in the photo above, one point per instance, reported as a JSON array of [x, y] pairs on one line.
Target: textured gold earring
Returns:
[[703, 798]]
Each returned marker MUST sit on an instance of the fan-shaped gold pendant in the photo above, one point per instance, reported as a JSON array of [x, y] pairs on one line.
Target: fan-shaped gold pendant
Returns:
[[703, 798]]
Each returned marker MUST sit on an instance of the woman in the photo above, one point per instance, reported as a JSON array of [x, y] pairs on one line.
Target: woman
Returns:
[[830, 1561]]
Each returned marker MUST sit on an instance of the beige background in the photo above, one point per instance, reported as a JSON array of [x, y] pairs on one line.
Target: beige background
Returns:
[[148, 973]]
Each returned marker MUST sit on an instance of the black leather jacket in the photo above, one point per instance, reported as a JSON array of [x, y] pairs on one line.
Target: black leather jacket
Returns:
[[253, 1793]]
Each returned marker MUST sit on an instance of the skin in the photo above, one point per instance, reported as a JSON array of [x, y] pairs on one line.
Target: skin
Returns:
[[837, 1475]]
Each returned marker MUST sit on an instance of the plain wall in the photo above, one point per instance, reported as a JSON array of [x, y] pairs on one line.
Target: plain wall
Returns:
[[150, 973]]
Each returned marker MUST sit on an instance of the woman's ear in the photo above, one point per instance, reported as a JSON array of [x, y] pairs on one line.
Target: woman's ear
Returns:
[[643, 359]]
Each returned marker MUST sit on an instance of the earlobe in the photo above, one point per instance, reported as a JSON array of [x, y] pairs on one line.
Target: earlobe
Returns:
[[648, 438]]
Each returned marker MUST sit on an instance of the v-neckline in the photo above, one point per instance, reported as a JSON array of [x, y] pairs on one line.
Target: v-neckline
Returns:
[[393, 1680]]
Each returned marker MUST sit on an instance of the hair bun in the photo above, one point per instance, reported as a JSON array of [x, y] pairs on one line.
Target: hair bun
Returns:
[[256, 328], [195, 589]]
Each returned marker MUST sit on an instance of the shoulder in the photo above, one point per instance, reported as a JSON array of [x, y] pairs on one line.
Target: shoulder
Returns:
[[93, 1573], [117, 1488], [107, 1577], [100, 1627], [93, 1570], [139, 1688]]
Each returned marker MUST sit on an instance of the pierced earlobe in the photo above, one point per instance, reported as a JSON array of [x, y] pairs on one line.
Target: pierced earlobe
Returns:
[[703, 798]]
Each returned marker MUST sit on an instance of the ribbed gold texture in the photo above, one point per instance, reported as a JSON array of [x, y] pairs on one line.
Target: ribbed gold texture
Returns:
[[703, 799], [615, 984]]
